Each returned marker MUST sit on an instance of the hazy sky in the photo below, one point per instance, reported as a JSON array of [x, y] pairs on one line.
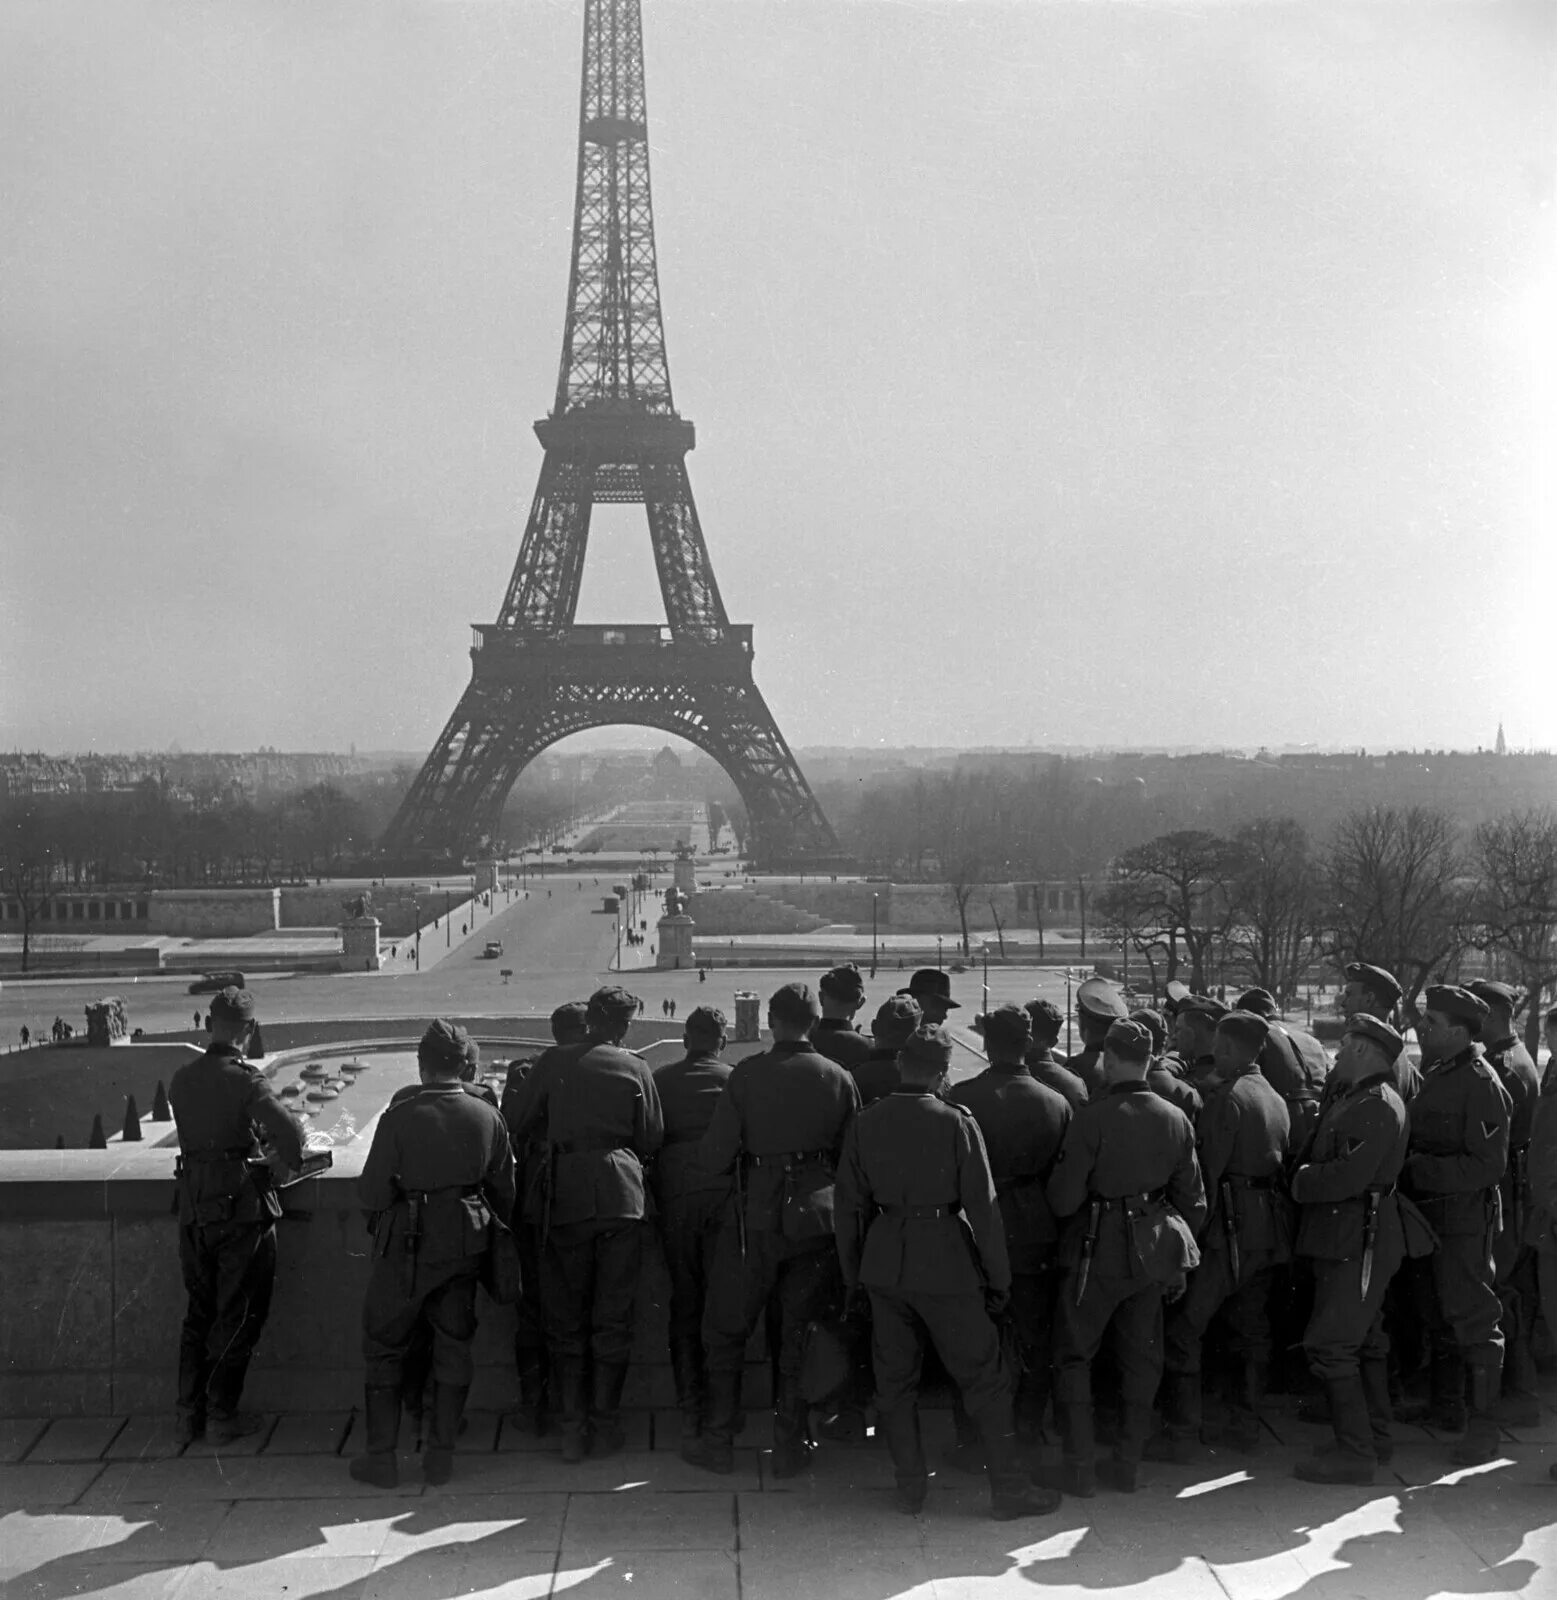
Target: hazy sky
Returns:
[[1094, 373]]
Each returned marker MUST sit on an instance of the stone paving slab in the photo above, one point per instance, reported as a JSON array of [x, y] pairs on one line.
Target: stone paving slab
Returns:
[[251, 1444], [40, 1483], [614, 1573], [76, 1439], [310, 1433], [223, 1478], [146, 1437], [18, 1435], [651, 1521]]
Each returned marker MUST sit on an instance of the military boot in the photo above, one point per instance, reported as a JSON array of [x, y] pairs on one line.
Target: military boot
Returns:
[[1375, 1388], [381, 1424], [1012, 1493], [1350, 1458], [1123, 1470], [529, 1416], [791, 1447], [714, 1450], [1520, 1406], [1482, 1434], [448, 1407], [606, 1434], [967, 1454], [572, 1408], [901, 1428], [1444, 1408], [1178, 1440], [1077, 1474], [686, 1367], [1242, 1431]]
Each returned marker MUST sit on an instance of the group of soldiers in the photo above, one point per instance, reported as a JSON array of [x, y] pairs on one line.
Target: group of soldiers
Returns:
[[1117, 1233]]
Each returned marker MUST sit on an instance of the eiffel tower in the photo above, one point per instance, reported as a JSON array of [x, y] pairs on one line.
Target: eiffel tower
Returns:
[[613, 435]]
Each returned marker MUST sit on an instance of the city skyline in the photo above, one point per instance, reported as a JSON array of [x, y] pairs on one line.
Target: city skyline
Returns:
[[1252, 352]]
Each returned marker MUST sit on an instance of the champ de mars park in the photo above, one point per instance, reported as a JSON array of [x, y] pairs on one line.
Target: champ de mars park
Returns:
[[1120, 737]]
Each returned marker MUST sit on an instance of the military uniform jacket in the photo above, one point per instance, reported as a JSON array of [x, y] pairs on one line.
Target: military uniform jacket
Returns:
[[1134, 1152], [1023, 1125], [1516, 1071], [876, 1076], [1244, 1132], [689, 1090], [439, 1167], [598, 1111], [1459, 1143], [916, 1201], [1050, 1071], [1295, 1065], [217, 1101], [1177, 1091], [782, 1117], [840, 1041], [1087, 1065], [1541, 1217], [1359, 1144]]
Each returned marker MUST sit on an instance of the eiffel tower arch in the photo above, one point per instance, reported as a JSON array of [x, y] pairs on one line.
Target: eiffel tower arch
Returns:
[[613, 436]]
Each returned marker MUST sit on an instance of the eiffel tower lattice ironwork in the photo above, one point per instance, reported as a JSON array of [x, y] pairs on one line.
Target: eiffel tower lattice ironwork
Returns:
[[613, 436]]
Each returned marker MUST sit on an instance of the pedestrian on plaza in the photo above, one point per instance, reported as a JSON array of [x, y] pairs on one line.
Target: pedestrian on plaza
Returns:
[[227, 1211], [26, 1036], [692, 1204], [1350, 1231], [597, 1107], [438, 1171], [919, 1230], [777, 1128], [1098, 1006], [1128, 1181], [841, 992], [1023, 1124]]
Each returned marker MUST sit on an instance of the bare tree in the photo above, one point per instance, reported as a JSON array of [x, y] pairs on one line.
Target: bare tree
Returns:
[[1515, 900], [1275, 901], [26, 864], [1183, 880], [1396, 893], [1126, 913]]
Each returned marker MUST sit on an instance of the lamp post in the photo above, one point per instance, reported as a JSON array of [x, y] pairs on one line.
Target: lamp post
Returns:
[[874, 900], [938, 966], [448, 919], [416, 920]]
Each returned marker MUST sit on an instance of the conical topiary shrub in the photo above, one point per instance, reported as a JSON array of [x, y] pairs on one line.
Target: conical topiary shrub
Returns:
[[132, 1119]]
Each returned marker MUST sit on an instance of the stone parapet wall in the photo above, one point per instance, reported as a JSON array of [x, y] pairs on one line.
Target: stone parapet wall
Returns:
[[214, 913]]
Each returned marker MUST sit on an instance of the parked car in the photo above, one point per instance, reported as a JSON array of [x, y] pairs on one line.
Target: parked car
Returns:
[[492, 949], [213, 982]]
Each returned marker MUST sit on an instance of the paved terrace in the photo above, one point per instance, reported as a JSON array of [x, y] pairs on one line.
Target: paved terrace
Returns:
[[106, 1506]]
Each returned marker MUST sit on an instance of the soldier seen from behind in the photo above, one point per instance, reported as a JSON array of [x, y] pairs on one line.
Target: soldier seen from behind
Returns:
[[1350, 1231], [227, 1211], [1243, 1134], [1163, 1075], [439, 1169], [1098, 1005], [1459, 1123], [692, 1204], [896, 1018], [777, 1129], [1376, 993], [597, 1107], [1023, 1124], [568, 1027], [920, 1231], [1127, 1187], [841, 993], [1294, 1063], [1043, 1062], [1194, 1038], [1513, 1255]]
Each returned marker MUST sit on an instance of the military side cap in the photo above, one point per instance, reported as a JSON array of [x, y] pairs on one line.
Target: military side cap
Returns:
[[928, 1046], [708, 1022], [1154, 1025], [1260, 1001], [233, 1005], [570, 1014], [1008, 1026], [844, 981], [1207, 1006], [1045, 1011], [930, 983], [896, 1018], [1099, 998], [1499, 996], [1374, 978], [444, 1044], [1249, 1026], [1177, 993], [1376, 1032], [1452, 1001], [611, 1006], [1130, 1039]]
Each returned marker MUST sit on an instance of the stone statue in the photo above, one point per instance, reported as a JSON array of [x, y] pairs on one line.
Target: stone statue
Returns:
[[360, 906], [108, 1022]]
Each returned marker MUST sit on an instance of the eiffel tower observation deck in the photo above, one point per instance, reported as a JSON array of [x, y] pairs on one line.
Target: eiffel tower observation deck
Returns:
[[613, 436]]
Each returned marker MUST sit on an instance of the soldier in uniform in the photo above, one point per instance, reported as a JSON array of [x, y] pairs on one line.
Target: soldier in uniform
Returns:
[[1350, 1230], [919, 1230], [1243, 1133], [1515, 1260], [600, 1112], [1376, 993], [778, 1127], [1041, 1060], [1129, 1183], [1023, 1124], [1162, 1076], [1459, 1148], [1098, 1004], [227, 1215], [1194, 1035], [931, 988], [1541, 1219], [876, 1076], [437, 1172], [1294, 1063], [568, 1027], [692, 1204], [842, 993]]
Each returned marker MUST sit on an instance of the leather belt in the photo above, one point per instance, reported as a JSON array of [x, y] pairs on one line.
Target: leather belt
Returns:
[[917, 1213]]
